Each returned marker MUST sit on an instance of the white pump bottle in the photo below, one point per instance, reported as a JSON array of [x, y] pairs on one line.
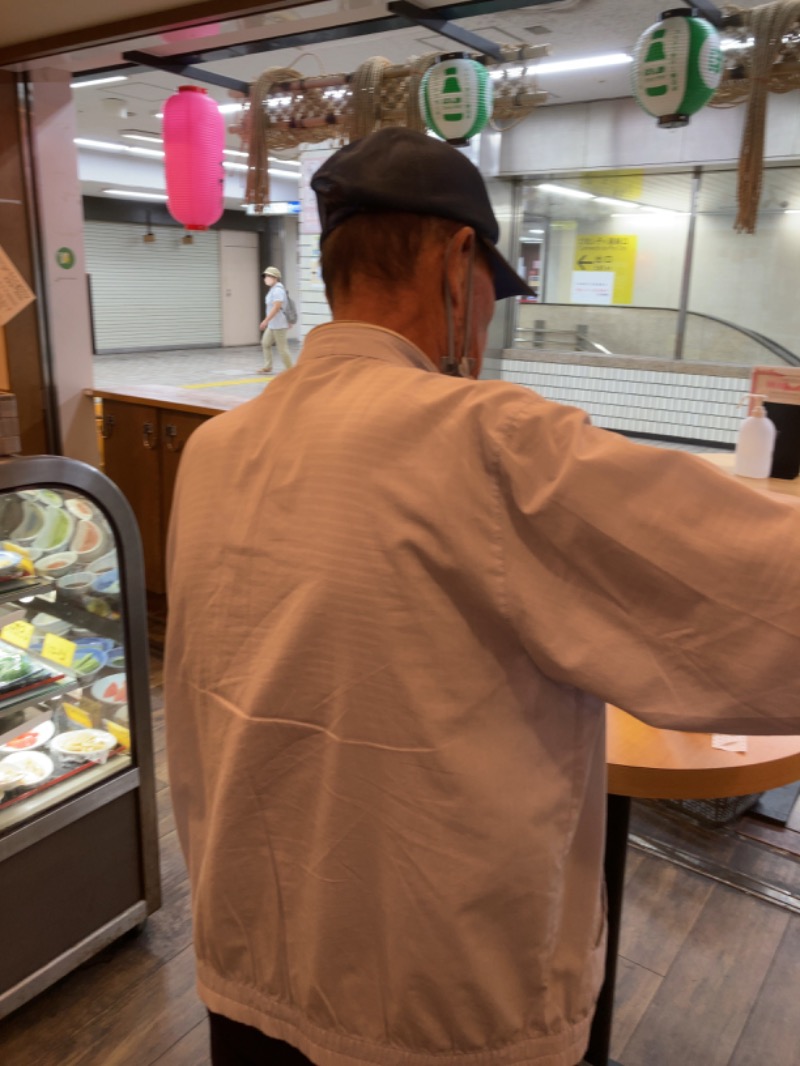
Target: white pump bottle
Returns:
[[755, 442]]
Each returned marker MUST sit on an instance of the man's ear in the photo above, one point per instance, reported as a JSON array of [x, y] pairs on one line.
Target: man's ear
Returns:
[[458, 256]]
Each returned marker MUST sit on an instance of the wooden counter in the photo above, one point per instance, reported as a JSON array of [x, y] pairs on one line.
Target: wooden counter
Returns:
[[144, 430], [173, 398]]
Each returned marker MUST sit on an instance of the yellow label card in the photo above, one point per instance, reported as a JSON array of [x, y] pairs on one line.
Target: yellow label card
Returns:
[[119, 732], [19, 633], [75, 714], [58, 650]]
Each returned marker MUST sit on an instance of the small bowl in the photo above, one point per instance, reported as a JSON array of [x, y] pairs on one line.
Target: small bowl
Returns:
[[56, 565], [79, 508], [89, 541], [104, 563], [33, 765], [75, 585], [48, 623], [111, 690], [88, 662], [56, 532], [107, 585], [83, 743], [115, 660]]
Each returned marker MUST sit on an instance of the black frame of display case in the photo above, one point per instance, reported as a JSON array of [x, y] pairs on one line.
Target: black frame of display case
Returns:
[[78, 875]]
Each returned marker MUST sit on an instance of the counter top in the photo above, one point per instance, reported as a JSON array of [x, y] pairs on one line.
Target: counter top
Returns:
[[724, 460], [174, 398]]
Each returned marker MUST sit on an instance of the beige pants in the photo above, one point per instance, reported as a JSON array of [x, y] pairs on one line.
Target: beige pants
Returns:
[[278, 336]]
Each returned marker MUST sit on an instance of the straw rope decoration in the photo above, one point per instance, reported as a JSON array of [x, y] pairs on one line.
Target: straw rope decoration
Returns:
[[365, 101], [772, 64], [287, 110], [417, 67], [260, 121], [769, 24]]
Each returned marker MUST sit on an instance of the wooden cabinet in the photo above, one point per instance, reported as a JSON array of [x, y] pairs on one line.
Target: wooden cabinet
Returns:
[[143, 439]]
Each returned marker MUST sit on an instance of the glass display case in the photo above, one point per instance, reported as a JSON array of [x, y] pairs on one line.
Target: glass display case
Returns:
[[78, 836]]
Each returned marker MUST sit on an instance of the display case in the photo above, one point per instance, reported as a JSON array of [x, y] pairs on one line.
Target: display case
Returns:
[[78, 829]]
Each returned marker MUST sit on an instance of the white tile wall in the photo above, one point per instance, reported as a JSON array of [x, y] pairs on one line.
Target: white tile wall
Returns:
[[697, 407]]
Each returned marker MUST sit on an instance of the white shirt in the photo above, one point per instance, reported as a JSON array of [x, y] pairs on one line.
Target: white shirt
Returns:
[[398, 602], [276, 294]]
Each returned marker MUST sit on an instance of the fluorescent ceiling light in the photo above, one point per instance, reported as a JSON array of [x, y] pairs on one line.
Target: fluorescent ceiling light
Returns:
[[562, 190], [535, 231], [791, 211], [98, 81], [234, 166], [283, 173], [142, 137], [110, 146], [615, 203], [132, 194], [230, 109], [564, 66], [233, 151], [731, 45]]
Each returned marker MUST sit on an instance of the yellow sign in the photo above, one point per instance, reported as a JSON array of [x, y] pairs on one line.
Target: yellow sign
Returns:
[[58, 650], [76, 715], [19, 633], [119, 732], [610, 253], [618, 184]]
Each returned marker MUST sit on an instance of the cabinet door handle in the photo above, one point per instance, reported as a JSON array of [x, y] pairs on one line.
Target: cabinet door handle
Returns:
[[149, 439], [106, 426], [171, 435]]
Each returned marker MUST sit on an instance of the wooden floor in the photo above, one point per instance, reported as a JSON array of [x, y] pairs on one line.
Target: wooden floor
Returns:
[[708, 975]]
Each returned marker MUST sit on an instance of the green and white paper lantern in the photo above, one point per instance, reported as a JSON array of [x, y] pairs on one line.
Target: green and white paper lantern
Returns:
[[677, 67], [455, 98]]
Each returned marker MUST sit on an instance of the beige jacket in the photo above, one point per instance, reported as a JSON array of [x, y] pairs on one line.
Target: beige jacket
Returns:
[[398, 602]]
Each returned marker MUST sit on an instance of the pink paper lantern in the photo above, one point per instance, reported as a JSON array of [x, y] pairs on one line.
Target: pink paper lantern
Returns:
[[194, 138]]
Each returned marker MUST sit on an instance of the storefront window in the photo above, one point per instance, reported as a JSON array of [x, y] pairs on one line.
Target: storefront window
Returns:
[[593, 245]]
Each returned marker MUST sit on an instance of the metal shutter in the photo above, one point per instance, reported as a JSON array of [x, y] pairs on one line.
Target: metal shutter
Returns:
[[163, 294]]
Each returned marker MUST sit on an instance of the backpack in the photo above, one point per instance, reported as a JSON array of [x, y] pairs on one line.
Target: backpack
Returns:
[[290, 309]]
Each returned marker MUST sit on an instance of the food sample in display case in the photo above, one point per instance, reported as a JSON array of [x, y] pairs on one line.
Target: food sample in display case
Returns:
[[77, 789], [63, 683]]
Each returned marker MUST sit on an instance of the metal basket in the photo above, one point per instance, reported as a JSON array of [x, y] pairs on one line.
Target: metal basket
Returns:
[[714, 812]]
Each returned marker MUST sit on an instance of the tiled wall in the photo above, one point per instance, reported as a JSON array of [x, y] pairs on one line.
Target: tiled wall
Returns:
[[672, 403]]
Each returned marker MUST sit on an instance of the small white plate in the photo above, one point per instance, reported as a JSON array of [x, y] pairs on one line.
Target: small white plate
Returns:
[[31, 740], [34, 766], [83, 743]]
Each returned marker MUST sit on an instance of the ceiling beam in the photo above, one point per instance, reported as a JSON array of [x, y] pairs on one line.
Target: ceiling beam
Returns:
[[419, 16], [175, 65], [346, 31]]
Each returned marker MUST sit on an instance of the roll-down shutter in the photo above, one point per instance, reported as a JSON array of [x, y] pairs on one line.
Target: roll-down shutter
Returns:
[[161, 294]]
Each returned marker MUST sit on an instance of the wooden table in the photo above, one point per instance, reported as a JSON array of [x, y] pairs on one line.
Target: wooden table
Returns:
[[648, 763]]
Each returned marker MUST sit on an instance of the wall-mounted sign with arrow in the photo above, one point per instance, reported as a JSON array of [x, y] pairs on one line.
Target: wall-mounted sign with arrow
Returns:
[[612, 254]]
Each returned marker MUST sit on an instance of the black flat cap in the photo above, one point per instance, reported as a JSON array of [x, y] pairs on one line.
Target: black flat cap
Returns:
[[401, 170]]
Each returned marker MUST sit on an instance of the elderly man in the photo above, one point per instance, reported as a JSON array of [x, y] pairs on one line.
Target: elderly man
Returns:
[[399, 598]]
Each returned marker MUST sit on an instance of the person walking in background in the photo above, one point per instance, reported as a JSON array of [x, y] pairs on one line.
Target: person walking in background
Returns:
[[275, 323]]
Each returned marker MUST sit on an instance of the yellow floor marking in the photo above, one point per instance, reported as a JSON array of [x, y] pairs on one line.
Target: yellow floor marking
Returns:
[[231, 381]]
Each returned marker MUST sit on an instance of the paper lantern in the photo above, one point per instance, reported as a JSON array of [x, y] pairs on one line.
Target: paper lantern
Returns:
[[455, 98], [194, 139], [677, 67]]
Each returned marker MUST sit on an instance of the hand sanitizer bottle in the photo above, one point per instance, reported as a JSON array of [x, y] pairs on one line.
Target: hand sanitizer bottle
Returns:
[[755, 442]]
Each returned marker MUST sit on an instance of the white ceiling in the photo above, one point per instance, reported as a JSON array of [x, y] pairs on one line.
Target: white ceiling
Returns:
[[572, 29]]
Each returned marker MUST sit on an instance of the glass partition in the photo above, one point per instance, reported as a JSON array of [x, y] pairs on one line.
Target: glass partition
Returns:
[[746, 279], [606, 255], [611, 240]]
